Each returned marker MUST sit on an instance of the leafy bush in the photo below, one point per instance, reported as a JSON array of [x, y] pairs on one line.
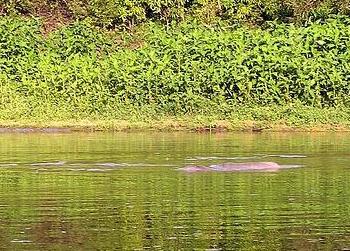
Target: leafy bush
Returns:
[[180, 69]]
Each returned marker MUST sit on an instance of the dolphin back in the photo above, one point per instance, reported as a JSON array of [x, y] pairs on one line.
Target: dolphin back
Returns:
[[249, 166]]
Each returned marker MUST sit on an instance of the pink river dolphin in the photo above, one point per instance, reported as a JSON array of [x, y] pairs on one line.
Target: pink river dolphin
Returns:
[[237, 167]]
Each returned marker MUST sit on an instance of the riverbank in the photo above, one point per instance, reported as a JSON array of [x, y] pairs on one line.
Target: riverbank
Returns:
[[249, 119], [219, 126]]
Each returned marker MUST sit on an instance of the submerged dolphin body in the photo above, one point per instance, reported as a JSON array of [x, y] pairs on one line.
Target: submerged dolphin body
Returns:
[[236, 167], [195, 169]]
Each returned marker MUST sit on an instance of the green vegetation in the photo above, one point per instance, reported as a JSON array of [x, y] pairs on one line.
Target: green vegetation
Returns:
[[278, 74]]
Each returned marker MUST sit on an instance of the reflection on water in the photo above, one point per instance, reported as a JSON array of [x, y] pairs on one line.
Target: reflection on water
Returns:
[[123, 191]]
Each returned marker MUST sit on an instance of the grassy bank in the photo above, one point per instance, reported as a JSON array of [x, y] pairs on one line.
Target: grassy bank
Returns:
[[177, 77], [249, 119]]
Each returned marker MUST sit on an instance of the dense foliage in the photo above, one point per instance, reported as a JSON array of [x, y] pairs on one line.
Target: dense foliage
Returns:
[[179, 69], [129, 12]]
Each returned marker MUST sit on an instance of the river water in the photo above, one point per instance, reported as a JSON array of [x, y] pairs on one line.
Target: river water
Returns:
[[103, 191]]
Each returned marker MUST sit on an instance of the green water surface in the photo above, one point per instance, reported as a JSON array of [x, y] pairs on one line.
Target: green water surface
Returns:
[[102, 191]]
